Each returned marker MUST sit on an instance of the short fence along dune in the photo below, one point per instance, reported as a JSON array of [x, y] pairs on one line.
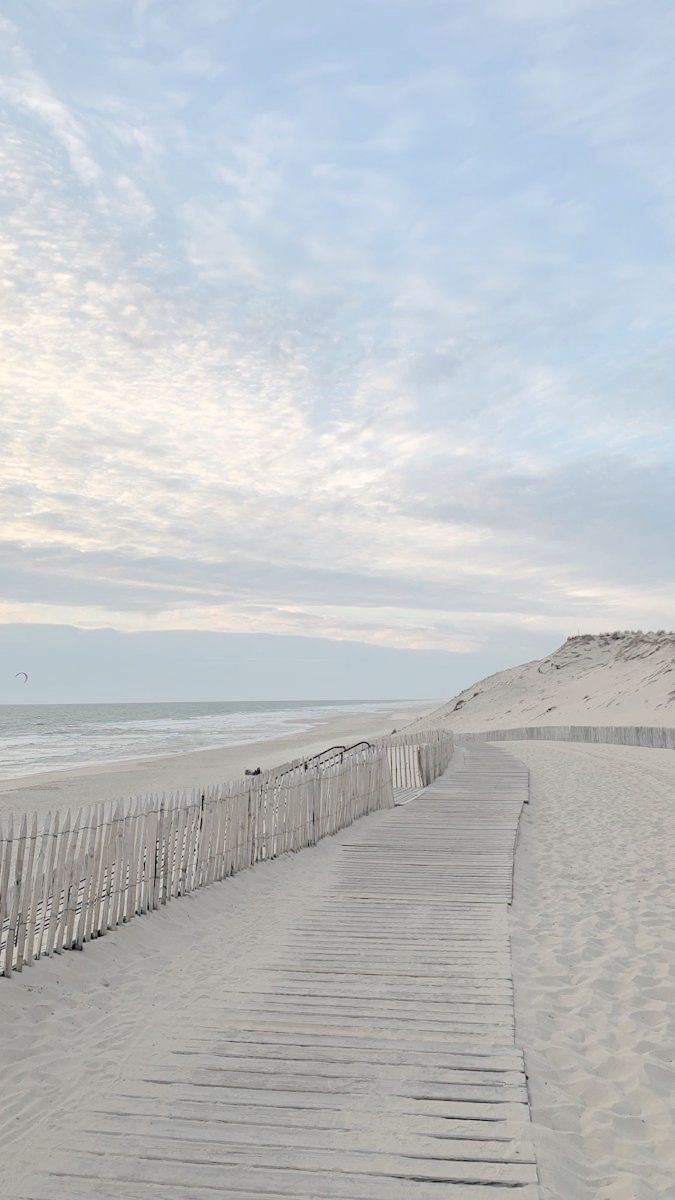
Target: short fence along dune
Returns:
[[417, 759], [654, 737], [76, 876]]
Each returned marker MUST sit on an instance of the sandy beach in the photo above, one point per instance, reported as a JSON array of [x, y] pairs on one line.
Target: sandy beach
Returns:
[[336, 368], [76, 1025], [593, 960], [48, 791], [348, 1065], [594, 968]]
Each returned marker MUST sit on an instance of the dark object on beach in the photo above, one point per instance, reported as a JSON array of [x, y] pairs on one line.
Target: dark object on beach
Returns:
[[256, 772]]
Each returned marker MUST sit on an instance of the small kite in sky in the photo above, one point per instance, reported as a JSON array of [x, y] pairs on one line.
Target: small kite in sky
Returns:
[[23, 675]]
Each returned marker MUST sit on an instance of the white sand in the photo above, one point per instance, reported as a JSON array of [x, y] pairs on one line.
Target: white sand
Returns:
[[593, 929], [609, 679], [75, 1026], [133, 777], [592, 932], [594, 915], [94, 1034]]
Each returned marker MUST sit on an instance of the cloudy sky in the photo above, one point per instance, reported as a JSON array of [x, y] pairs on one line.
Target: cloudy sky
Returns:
[[343, 321]]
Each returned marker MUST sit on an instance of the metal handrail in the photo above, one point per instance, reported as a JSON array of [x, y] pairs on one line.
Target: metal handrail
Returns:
[[336, 753]]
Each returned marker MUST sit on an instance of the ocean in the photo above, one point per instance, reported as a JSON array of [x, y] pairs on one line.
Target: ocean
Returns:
[[48, 737]]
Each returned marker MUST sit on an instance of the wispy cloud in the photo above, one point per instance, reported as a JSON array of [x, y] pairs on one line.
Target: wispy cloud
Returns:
[[354, 326]]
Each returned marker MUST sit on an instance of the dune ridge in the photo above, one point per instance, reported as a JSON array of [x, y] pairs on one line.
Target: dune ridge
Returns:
[[619, 678]]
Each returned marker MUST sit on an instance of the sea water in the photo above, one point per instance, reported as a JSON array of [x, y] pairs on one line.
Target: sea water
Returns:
[[48, 737]]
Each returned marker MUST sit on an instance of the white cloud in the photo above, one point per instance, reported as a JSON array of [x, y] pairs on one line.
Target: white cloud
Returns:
[[25, 89], [263, 375]]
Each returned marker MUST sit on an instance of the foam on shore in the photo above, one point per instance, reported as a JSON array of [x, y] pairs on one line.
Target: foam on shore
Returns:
[[198, 768]]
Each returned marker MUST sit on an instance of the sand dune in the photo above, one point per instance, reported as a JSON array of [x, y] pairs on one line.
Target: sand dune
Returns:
[[608, 679]]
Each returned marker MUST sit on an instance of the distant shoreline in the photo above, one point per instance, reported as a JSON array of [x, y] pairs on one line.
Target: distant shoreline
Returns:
[[44, 739], [61, 788]]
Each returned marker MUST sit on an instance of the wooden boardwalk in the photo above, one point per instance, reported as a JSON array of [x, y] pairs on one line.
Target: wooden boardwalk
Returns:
[[372, 1058]]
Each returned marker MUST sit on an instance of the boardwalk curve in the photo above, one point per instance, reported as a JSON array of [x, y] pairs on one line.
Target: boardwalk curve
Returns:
[[373, 1057]]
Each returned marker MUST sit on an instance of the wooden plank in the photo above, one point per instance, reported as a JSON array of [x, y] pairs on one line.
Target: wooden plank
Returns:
[[151, 834], [205, 837], [172, 847], [169, 838], [47, 888], [36, 902], [56, 888], [26, 898], [121, 866], [14, 898], [69, 882], [222, 834], [6, 849], [147, 854], [191, 844], [111, 870], [103, 835], [76, 897], [91, 877], [134, 859], [372, 1052], [159, 852]]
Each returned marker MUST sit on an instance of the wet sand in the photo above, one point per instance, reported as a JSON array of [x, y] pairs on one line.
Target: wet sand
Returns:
[[53, 790]]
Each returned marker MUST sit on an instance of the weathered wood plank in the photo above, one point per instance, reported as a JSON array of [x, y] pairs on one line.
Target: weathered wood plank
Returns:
[[373, 1057]]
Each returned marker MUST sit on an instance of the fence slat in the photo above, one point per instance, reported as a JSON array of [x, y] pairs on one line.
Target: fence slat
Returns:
[[76, 888], [135, 862], [36, 901], [72, 880], [14, 897], [6, 849], [121, 867], [26, 897], [48, 887], [56, 885], [68, 883], [102, 843]]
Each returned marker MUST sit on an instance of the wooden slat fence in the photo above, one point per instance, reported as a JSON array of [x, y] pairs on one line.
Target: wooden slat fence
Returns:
[[654, 737], [416, 759], [76, 876]]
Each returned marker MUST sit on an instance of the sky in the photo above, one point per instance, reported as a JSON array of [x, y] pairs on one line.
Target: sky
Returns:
[[338, 331]]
